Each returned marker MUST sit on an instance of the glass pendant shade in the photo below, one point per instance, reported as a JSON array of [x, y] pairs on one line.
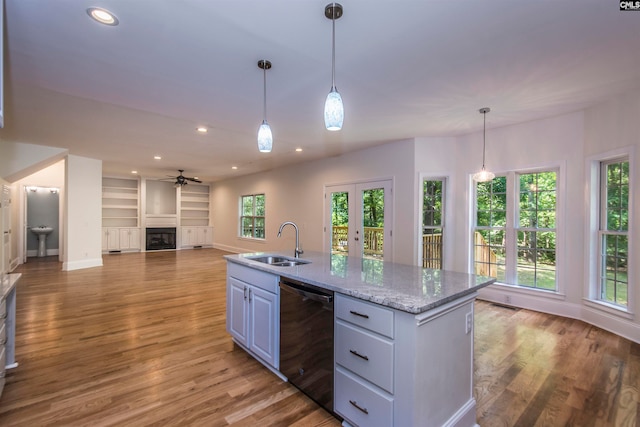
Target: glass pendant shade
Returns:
[[265, 138], [333, 110], [483, 176]]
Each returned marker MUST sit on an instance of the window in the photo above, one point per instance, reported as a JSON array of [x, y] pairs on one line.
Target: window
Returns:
[[613, 232], [515, 234], [252, 214], [432, 222], [536, 265], [489, 238]]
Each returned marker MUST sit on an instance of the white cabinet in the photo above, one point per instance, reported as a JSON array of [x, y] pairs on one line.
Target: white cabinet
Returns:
[[3, 339], [118, 239], [120, 202], [7, 325], [364, 351], [253, 316], [394, 368], [196, 236], [129, 239]]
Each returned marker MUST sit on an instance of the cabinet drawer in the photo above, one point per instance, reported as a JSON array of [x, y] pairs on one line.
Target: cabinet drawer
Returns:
[[366, 354], [369, 316], [360, 404], [261, 279]]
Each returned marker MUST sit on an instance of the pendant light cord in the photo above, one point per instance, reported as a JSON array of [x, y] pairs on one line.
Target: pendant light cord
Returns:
[[484, 138], [265, 93], [333, 51]]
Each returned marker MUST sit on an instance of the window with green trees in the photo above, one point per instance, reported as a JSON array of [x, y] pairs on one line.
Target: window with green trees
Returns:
[[432, 222], [613, 230], [252, 213], [515, 233]]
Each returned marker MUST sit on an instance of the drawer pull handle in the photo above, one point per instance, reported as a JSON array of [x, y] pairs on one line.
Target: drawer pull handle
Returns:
[[354, 403], [355, 353], [355, 313]]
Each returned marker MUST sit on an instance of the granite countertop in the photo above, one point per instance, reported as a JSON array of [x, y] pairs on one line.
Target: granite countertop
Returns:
[[399, 286], [9, 282]]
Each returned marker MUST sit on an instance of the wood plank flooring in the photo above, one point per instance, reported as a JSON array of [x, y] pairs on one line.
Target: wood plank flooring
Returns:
[[142, 342]]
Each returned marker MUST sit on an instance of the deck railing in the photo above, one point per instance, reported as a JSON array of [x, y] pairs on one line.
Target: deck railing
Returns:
[[483, 256], [432, 251], [431, 248], [373, 240]]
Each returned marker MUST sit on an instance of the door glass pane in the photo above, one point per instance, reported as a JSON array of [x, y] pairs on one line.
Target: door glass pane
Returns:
[[340, 222], [373, 223]]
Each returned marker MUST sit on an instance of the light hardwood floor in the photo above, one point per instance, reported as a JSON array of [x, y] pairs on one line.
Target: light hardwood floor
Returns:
[[142, 342]]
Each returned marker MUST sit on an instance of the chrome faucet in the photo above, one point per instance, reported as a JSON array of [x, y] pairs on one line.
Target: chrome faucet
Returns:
[[298, 251]]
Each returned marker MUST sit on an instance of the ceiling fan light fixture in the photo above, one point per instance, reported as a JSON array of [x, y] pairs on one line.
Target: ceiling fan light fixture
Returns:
[[265, 137], [484, 175], [103, 16], [333, 106]]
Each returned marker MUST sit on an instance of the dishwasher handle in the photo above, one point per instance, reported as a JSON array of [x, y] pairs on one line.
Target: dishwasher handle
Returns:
[[308, 293]]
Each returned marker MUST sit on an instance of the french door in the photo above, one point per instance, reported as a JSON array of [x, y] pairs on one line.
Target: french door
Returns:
[[358, 219]]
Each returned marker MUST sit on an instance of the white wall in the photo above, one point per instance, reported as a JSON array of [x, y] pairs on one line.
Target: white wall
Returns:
[[295, 194], [18, 160], [83, 204]]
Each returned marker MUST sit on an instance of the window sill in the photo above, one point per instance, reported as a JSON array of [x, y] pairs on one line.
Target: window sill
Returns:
[[609, 308], [530, 291]]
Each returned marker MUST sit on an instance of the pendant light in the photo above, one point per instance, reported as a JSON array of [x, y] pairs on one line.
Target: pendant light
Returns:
[[265, 138], [333, 108], [484, 175]]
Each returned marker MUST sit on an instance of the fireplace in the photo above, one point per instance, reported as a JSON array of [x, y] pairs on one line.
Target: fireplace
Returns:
[[161, 238]]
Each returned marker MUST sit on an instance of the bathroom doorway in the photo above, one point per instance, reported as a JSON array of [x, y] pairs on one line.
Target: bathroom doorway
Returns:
[[41, 228]]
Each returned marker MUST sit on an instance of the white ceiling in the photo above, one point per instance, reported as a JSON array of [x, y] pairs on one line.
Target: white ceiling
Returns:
[[405, 68]]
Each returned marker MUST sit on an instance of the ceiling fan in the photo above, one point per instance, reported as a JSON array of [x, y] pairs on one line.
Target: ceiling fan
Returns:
[[182, 180]]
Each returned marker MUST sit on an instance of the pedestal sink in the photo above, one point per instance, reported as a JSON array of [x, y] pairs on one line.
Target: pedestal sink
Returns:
[[42, 233]]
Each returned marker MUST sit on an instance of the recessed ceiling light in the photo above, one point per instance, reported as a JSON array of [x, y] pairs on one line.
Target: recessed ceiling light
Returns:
[[234, 167], [298, 150], [103, 16], [202, 129], [134, 171], [157, 157]]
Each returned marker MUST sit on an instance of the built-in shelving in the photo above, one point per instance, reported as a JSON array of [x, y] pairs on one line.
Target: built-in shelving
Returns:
[[120, 202], [194, 205]]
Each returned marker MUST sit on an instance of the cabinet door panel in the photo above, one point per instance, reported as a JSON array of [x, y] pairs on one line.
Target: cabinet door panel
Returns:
[[113, 239], [237, 313], [263, 328], [134, 238]]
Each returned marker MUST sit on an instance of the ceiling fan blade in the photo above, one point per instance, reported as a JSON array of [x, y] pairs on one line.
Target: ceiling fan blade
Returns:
[[192, 179]]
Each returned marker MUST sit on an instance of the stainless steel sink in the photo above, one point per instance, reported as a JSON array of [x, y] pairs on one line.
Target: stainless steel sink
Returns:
[[279, 261]]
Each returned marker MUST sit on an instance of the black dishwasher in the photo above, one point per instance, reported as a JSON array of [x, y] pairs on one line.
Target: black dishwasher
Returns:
[[306, 339]]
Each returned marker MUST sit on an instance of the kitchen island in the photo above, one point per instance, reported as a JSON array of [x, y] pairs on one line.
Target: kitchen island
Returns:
[[403, 334]]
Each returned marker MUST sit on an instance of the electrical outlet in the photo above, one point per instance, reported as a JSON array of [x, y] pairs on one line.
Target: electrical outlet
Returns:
[[507, 299], [469, 323]]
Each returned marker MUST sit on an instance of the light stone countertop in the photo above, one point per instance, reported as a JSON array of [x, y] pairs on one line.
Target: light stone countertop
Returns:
[[8, 284], [399, 286]]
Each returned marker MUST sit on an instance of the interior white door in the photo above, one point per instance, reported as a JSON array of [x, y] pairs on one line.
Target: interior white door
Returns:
[[358, 219], [5, 206]]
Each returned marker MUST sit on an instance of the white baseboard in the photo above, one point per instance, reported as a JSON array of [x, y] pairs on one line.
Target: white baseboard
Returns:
[[78, 265], [553, 304], [14, 263], [230, 248]]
